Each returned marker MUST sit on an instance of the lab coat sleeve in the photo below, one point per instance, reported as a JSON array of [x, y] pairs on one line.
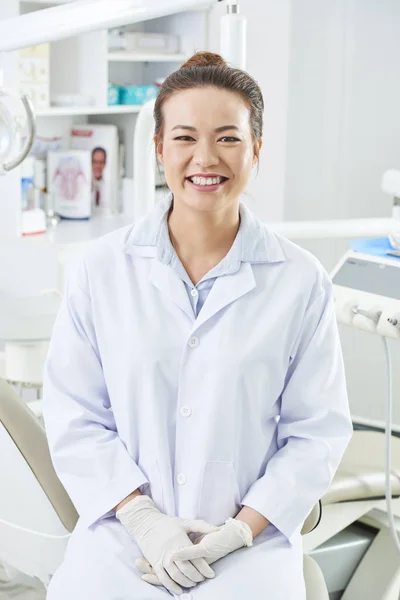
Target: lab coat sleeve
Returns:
[[314, 427], [89, 457]]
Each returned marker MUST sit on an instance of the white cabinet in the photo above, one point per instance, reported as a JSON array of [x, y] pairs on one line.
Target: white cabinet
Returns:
[[82, 67]]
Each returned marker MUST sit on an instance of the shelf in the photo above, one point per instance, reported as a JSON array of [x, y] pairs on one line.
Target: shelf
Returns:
[[47, 1], [60, 111], [194, 9], [70, 233], [144, 57]]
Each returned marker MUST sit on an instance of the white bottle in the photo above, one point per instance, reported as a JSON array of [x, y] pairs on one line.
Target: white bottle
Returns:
[[233, 30], [394, 234]]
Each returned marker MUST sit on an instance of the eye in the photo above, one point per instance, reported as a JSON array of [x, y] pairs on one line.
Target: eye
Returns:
[[228, 138], [184, 138]]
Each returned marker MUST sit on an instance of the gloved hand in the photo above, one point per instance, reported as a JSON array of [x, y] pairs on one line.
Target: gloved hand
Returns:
[[159, 537], [233, 535]]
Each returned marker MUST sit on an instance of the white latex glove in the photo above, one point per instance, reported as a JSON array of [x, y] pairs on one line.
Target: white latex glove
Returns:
[[233, 535], [159, 537]]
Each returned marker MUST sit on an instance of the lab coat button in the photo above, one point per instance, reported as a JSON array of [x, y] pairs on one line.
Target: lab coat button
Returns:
[[194, 342], [181, 479], [186, 597], [194, 292], [186, 411]]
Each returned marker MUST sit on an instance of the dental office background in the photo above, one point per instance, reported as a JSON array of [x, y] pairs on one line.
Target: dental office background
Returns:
[[329, 72]]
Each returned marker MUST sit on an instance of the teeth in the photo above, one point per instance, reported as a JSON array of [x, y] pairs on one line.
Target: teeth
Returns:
[[206, 180]]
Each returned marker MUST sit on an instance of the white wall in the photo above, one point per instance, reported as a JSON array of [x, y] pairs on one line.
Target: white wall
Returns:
[[316, 95], [343, 131], [343, 120]]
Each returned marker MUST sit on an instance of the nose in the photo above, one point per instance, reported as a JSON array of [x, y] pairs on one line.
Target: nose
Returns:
[[205, 154]]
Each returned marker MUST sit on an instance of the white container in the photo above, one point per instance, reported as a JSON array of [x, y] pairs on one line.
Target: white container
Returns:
[[233, 37], [33, 221], [151, 42], [69, 182]]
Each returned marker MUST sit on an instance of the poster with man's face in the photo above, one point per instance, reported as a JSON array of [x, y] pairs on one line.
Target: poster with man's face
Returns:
[[99, 162], [102, 142]]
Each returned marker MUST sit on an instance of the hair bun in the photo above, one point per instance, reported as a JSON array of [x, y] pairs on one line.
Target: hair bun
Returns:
[[204, 59]]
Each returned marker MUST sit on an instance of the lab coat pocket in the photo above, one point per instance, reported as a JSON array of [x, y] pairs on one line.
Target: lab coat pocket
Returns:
[[219, 495]]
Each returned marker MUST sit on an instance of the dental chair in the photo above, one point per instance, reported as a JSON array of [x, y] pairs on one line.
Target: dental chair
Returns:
[[353, 544], [36, 514]]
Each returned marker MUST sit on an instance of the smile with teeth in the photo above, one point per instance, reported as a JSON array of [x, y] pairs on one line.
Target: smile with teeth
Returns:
[[206, 180]]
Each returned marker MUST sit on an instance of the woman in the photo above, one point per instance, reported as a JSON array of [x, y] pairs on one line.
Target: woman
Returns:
[[195, 381]]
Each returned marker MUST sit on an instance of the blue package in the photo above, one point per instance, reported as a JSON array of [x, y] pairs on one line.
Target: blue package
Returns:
[[138, 94], [374, 247], [114, 94]]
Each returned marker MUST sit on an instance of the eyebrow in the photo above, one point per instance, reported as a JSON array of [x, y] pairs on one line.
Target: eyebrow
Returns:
[[217, 130]]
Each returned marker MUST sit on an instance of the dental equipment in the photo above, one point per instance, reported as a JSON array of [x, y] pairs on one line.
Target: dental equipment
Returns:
[[16, 113], [367, 296]]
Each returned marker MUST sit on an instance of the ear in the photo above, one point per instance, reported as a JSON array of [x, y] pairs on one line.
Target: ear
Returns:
[[256, 151], [159, 148]]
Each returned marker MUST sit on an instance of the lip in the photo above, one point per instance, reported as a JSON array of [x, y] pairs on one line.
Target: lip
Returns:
[[207, 175], [206, 188]]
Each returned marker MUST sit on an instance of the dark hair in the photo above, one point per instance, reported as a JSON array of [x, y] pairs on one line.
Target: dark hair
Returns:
[[100, 149], [205, 69]]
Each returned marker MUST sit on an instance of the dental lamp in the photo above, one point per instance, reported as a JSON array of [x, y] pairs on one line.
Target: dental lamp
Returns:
[[16, 114]]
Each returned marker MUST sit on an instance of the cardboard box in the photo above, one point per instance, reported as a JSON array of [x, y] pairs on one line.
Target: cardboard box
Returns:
[[34, 74]]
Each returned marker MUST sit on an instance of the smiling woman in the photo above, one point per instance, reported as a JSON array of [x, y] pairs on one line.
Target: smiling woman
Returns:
[[217, 350], [208, 135], [209, 120]]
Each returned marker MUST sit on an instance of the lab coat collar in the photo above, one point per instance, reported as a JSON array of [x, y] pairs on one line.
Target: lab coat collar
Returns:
[[254, 243], [224, 291]]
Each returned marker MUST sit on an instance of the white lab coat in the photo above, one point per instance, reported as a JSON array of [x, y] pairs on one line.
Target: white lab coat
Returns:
[[245, 404]]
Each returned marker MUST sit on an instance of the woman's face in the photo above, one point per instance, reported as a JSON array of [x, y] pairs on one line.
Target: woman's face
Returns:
[[207, 148]]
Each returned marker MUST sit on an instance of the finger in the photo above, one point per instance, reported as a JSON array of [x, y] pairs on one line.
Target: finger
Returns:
[[190, 552], [176, 574], [167, 582], [198, 526], [202, 565], [144, 566], [190, 571], [199, 539], [152, 579]]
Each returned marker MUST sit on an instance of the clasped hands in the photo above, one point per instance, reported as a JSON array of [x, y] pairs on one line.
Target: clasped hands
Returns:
[[170, 558]]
